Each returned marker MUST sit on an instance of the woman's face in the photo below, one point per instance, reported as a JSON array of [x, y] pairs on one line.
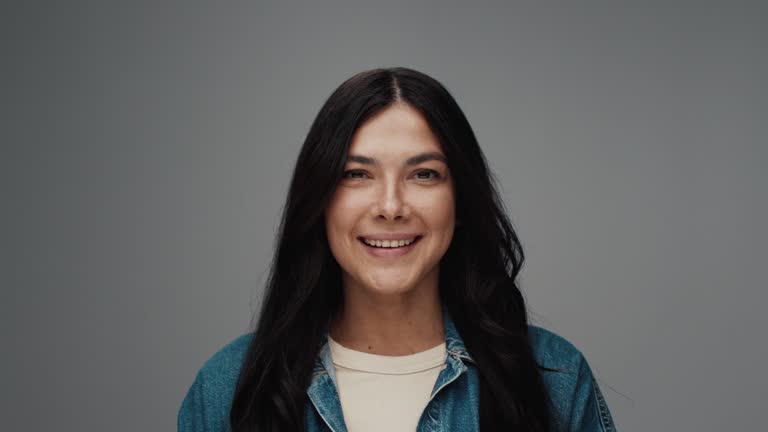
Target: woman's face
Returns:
[[396, 188]]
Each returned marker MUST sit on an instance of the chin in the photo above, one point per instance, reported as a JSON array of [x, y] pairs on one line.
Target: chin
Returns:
[[390, 290], [388, 286]]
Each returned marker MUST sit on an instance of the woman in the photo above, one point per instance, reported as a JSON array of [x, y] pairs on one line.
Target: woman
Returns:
[[392, 302]]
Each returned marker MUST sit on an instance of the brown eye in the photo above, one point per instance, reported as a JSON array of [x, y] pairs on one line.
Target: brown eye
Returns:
[[354, 174], [421, 174]]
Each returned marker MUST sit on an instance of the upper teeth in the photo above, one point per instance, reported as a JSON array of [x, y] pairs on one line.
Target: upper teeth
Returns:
[[388, 243]]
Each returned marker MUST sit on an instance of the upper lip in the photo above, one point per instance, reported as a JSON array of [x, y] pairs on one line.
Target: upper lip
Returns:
[[390, 236]]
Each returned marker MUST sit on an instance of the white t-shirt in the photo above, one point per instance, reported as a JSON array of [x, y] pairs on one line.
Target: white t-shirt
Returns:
[[384, 393]]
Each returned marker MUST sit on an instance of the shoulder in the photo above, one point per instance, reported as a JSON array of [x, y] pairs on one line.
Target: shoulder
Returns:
[[223, 367], [575, 395], [553, 351], [209, 399]]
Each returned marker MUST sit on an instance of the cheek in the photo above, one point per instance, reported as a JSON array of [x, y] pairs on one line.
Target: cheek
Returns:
[[438, 209], [439, 212], [340, 220]]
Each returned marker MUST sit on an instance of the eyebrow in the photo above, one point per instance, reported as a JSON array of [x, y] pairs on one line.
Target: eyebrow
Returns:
[[413, 160]]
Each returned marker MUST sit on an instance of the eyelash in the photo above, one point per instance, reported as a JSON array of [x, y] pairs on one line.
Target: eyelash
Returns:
[[436, 175]]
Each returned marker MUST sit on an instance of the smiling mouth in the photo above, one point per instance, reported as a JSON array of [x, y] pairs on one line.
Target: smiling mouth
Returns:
[[389, 244]]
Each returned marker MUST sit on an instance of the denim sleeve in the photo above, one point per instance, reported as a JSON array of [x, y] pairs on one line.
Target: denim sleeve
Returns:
[[589, 411], [191, 416]]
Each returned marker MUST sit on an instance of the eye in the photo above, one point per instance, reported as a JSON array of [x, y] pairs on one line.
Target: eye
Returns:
[[354, 174], [427, 172]]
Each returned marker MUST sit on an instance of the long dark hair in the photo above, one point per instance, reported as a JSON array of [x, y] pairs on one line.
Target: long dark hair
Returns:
[[477, 272]]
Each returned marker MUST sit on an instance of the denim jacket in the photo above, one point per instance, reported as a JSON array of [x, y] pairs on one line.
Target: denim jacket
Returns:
[[577, 402]]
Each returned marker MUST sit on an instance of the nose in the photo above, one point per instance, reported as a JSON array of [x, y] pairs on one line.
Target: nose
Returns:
[[390, 202]]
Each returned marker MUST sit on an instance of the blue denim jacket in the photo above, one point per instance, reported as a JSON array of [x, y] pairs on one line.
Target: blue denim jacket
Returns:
[[577, 401]]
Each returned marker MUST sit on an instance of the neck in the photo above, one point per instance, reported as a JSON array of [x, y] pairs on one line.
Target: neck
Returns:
[[392, 324]]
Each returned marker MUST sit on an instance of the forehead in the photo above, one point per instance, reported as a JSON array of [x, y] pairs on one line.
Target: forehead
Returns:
[[397, 130]]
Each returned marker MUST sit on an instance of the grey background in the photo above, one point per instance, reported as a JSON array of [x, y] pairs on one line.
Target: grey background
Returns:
[[147, 148]]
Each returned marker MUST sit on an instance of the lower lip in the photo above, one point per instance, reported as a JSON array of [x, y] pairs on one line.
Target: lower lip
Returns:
[[389, 252]]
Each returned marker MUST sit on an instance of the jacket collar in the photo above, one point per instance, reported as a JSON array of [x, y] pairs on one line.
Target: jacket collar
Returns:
[[454, 344]]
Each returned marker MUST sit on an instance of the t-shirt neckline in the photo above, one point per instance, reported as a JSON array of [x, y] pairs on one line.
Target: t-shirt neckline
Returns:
[[381, 364]]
